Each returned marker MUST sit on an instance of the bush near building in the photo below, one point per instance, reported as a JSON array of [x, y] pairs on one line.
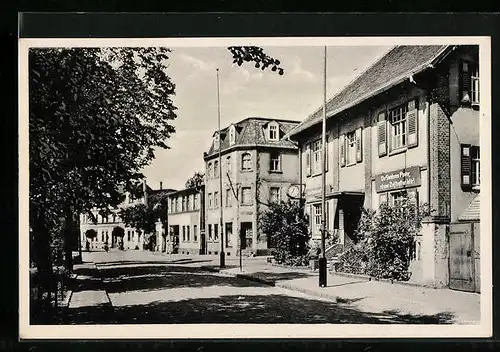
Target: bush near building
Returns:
[[287, 225], [384, 241]]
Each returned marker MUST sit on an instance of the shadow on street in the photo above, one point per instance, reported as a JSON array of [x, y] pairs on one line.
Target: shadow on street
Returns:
[[263, 309]]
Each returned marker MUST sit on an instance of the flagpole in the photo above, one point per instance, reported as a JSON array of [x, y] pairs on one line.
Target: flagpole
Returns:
[[222, 254], [322, 259]]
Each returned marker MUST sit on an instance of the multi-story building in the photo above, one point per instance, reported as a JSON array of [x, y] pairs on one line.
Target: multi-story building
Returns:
[[186, 221], [408, 126], [258, 166], [111, 229]]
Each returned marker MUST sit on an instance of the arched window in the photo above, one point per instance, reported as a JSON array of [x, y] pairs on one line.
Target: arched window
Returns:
[[246, 161], [216, 168], [228, 165], [209, 170]]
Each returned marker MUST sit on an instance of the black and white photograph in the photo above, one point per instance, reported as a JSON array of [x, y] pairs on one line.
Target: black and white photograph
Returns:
[[306, 187]]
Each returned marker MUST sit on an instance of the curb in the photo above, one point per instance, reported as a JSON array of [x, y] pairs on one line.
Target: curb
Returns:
[[369, 278]]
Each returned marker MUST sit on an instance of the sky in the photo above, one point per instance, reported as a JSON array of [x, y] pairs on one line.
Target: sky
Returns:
[[245, 91]]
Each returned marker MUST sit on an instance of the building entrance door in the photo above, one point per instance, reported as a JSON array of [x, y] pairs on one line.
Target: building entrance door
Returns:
[[462, 257]]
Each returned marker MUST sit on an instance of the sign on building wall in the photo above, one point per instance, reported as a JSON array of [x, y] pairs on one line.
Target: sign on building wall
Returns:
[[409, 177]]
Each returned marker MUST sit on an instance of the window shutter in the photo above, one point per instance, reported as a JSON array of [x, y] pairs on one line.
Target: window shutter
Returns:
[[359, 147], [342, 149], [466, 163], [382, 134], [308, 159], [465, 82], [412, 118]]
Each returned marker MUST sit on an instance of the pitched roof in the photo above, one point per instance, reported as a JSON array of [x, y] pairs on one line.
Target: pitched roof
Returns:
[[391, 69], [472, 212], [251, 131]]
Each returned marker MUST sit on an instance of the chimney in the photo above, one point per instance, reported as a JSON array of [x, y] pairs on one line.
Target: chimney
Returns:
[[161, 185]]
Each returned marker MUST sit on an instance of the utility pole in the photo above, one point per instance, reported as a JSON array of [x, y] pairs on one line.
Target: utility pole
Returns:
[[236, 196], [222, 254], [322, 259]]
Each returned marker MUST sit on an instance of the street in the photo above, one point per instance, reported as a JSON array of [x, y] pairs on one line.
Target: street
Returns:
[[139, 287]]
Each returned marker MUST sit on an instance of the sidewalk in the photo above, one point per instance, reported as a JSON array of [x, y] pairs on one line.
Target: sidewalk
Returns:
[[370, 296]]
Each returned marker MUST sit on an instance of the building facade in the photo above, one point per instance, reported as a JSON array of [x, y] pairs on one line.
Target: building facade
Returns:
[[258, 165], [186, 222], [111, 229], [408, 126]]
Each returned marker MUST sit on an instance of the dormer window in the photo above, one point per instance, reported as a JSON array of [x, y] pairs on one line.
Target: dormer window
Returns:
[[273, 131], [216, 141], [232, 135]]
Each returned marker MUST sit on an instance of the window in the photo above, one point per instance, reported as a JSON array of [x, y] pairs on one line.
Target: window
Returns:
[[216, 232], [209, 170], [107, 236], [273, 132], [350, 148], [195, 202], [102, 236], [397, 198], [246, 161], [195, 233], [133, 235], [216, 199], [317, 219], [474, 77], [398, 128], [210, 232], [183, 203], [469, 80], [216, 168], [183, 233], [210, 201], [275, 162], [178, 204], [275, 194], [232, 135], [128, 236], [228, 197], [187, 202], [114, 217], [229, 234], [246, 195], [316, 156], [187, 233], [470, 167], [228, 165]]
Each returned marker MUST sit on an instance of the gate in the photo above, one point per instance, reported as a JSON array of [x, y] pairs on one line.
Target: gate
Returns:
[[464, 257]]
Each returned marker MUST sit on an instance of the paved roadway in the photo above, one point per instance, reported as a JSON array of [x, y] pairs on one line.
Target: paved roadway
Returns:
[[136, 287]]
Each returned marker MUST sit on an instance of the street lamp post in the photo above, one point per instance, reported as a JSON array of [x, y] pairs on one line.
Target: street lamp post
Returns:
[[222, 254], [322, 259]]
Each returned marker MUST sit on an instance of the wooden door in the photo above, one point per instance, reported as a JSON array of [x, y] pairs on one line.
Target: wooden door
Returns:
[[462, 276]]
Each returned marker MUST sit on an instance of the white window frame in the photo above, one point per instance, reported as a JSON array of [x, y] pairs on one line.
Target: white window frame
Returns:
[[350, 148], [273, 131], [245, 201], [228, 165], [216, 199], [474, 83], [210, 201], [317, 216], [398, 127], [475, 167], [246, 160], [275, 162], [209, 170], [278, 194], [216, 141], [232, 135], [316, 157]]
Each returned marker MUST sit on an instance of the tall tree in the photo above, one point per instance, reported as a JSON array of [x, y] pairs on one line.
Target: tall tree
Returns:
[[96, 117], [196, 181]]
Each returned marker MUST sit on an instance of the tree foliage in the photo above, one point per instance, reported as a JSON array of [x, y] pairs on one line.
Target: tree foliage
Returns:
[[287, 225], [196, 181], [256, 55], [386, 241], [96, 117]]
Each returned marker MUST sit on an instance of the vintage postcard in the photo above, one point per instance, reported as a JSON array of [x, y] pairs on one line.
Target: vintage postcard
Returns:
[[255, 187]]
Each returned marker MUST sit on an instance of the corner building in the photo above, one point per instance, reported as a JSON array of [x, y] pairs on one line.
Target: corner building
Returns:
[[408, 126], [258, 166]]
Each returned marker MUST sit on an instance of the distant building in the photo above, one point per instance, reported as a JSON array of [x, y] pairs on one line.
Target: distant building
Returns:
[[408, 126], [258, 166], [107, 227], [186, 214]]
